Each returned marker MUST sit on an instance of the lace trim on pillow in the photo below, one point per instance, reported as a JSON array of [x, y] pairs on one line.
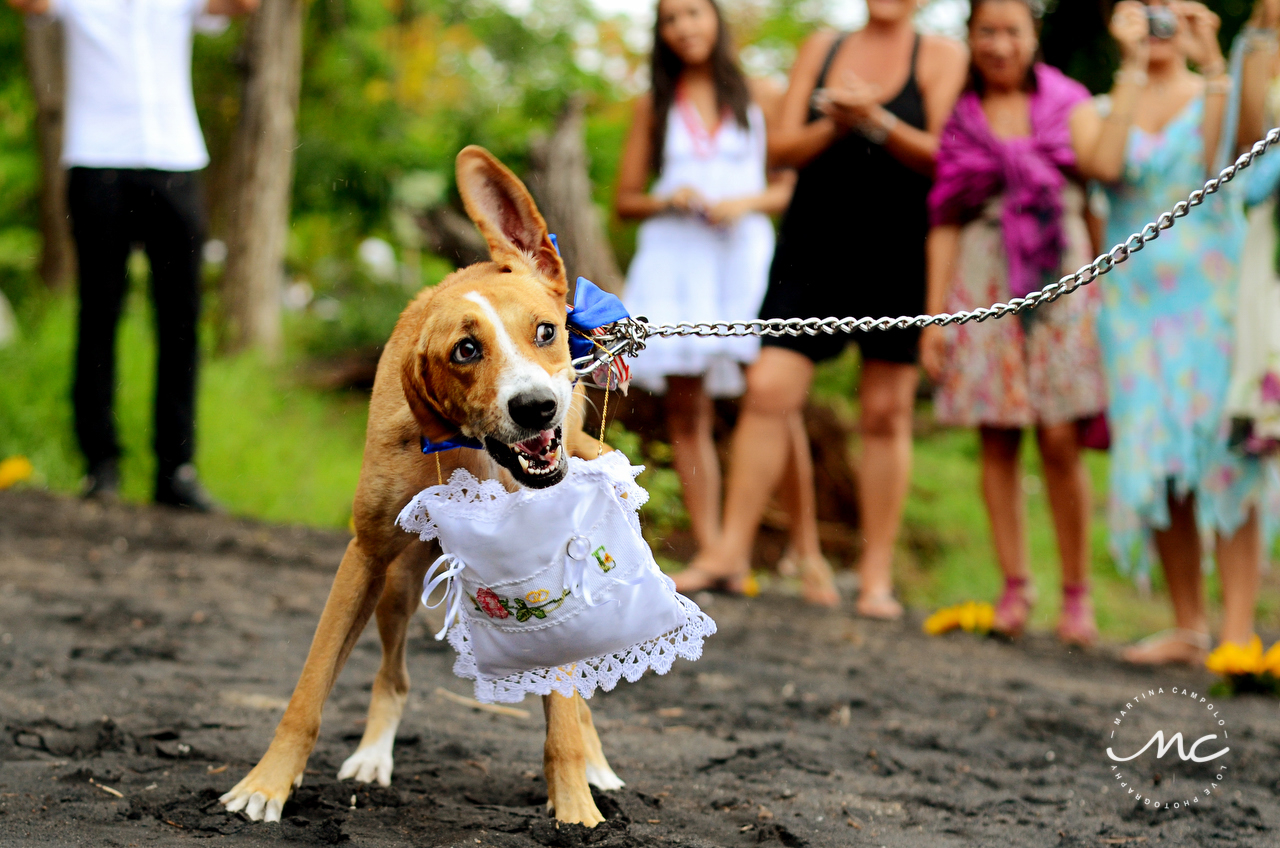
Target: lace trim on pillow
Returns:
[[488, 499], [584, 677]]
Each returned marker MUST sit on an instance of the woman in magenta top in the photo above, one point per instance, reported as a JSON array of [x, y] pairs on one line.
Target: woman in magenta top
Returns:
[[1007, 215]]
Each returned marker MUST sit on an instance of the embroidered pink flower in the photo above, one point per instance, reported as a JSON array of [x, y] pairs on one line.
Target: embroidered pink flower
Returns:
[[491, 604]]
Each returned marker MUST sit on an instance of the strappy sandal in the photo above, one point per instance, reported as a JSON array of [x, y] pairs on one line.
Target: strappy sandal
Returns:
[[1076, 625], [1014, 607], [694, 579], [1153, 650], [882, 606], [789, 563], [818, 583]]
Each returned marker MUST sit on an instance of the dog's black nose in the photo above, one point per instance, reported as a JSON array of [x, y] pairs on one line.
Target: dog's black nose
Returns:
[[533, 410]]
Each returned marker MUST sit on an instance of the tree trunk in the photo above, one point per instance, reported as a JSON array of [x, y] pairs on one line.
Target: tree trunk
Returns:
[[261, 176], [560, 182], [44, 67]]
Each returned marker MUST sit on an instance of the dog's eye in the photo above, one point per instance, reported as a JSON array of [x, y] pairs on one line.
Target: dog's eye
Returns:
[[467, 350], [546, 334]]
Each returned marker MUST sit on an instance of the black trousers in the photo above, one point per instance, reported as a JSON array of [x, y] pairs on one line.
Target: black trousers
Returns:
[[112, 209]]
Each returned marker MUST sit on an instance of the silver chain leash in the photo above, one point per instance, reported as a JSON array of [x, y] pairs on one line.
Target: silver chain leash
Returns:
[[627, 337]]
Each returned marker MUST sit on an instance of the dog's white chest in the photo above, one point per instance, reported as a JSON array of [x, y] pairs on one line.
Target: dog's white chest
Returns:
[[553, 589]]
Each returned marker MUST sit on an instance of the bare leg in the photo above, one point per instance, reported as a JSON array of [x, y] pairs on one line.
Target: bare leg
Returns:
[[690, 421], [798, 498], [1179, 549], [564, 762], [372, 759], [1239, 569], [1002, 493], [1067, 485], [887, 396], [796, 493], [777, 384]]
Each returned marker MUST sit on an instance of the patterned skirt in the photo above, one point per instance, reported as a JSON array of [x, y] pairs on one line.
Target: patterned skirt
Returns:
[[1037, 368]]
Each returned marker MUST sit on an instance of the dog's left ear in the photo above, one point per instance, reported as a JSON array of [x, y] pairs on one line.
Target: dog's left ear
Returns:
[[414, 375], [507, 217]]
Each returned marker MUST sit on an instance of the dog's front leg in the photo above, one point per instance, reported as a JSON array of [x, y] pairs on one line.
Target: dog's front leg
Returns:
[[355, 592], [564, 762], [599, 774], [372, 760]]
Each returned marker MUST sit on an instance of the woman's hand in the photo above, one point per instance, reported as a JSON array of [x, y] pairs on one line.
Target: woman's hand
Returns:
[[1130, 29], [725, 212], [687, 201], [855, 101], [1199, 34], [933, 351]]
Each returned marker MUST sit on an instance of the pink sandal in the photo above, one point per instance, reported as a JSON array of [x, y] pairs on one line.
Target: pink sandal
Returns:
[[1014, 607], [1076, 625]]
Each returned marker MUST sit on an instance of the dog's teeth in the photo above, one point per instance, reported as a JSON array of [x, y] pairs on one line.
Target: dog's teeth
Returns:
[[524, 463]]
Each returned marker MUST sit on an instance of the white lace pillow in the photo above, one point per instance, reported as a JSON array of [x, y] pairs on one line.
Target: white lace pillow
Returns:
[[553, 589]]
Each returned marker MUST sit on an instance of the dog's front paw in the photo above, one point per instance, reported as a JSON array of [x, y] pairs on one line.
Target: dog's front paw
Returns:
[[369, 763], [262, 793], [576, 810], [569, 798]]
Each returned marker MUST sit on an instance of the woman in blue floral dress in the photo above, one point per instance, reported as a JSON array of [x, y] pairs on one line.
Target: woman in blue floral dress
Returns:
[[1166, 326]]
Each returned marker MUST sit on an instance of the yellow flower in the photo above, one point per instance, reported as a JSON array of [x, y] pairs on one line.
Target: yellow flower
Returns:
[[1234, 660], [970, 616], [537, 596], [13, 470], [750, 586], [1271, 660], [942, 621]]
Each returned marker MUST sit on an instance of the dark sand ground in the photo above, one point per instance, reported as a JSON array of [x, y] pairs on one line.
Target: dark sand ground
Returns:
[[151, 652]]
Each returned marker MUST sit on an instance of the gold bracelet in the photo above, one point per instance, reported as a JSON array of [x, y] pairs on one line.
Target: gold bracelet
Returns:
[[1217, 69], [1260, 40], [1133, 75]]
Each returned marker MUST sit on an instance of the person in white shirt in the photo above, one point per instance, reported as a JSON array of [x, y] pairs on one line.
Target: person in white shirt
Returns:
[[134, 151]]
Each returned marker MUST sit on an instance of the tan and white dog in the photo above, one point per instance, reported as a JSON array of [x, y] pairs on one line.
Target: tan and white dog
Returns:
[[483, 354]]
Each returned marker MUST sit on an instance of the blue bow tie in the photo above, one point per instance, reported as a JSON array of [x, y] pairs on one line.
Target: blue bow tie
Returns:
[[592, 308], [458, 441]]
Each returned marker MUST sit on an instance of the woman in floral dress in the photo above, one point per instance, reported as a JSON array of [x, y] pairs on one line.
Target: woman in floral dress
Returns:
[[1166, 325], [1008, 218]]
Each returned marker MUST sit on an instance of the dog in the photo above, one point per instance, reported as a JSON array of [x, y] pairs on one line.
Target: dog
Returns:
[[482, 355]]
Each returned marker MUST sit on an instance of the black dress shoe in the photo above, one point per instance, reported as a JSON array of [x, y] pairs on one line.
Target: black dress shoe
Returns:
[[102, 483], [182, 489]]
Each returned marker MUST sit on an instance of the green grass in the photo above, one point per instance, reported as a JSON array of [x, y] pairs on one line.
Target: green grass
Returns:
[[273, 448], [267, 446]]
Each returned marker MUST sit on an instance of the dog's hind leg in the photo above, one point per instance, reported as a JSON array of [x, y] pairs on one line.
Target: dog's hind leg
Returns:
[[564, 762], [355, 592], [599, 774], [372, 759]]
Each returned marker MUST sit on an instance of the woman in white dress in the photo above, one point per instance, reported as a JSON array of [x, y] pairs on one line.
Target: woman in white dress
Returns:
[[704, 249]]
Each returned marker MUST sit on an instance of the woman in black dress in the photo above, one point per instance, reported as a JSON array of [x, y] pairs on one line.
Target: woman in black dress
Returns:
[[860, 121]]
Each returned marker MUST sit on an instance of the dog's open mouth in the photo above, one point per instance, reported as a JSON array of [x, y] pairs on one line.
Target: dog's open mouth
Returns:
[[536, 462]]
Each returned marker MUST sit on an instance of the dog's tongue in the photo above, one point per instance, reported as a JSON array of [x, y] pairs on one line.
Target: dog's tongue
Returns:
[[539, 442]]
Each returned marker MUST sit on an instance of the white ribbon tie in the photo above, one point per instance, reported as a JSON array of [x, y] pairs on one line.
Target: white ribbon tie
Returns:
[[453, 593]]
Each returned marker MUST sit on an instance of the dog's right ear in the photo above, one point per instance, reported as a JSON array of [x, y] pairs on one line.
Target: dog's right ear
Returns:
[[508, 218]]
